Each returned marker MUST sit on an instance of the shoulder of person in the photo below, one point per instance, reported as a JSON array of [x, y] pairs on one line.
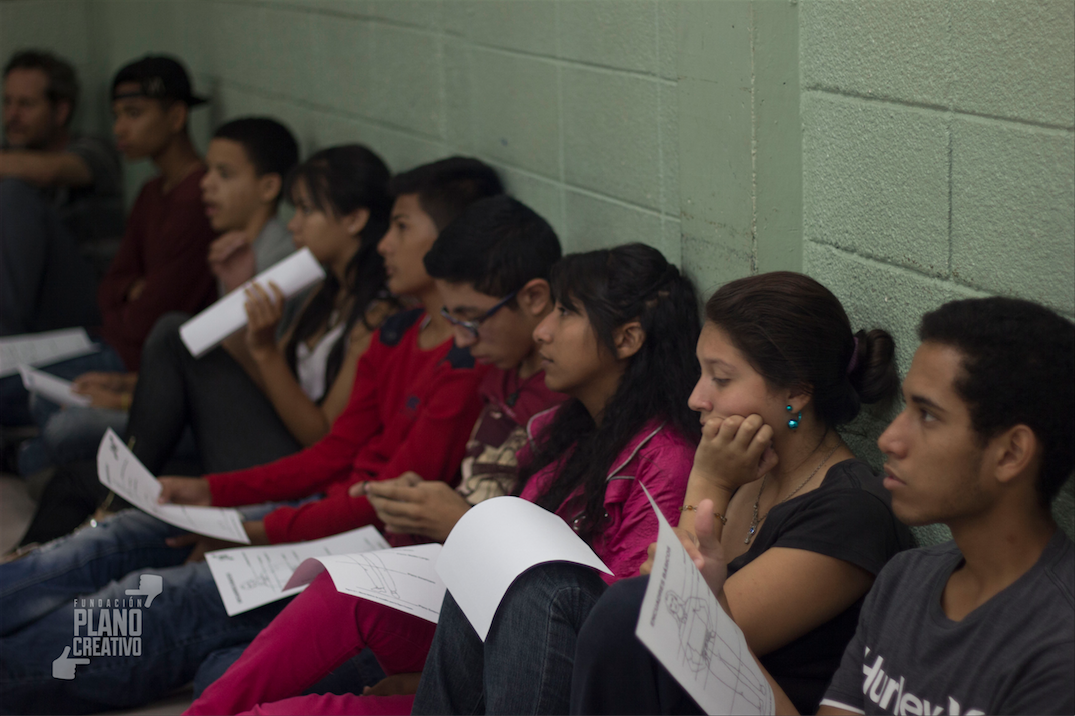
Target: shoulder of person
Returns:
[[87, 143], [912, 566], [396, 326], [662, 446], [852, 481], [1059, 565], [459, 358], [539, 423]]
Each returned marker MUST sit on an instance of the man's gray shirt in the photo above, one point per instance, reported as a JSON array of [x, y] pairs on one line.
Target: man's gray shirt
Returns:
[[1015, 654]]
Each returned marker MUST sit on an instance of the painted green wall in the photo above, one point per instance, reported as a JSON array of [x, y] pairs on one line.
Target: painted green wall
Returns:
[[938, 158], [903, 152], [574, 102]]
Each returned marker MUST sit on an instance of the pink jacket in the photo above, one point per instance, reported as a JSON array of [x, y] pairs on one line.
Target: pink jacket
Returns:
[[659, 458]]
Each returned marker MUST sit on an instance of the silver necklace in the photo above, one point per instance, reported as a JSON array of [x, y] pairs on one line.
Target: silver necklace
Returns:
[[755, 520]]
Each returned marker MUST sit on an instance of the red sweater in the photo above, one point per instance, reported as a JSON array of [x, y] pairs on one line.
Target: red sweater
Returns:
[[166, 244], [409, 410]]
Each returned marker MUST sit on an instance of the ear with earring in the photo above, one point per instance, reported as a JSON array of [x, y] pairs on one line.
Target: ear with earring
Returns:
[[794, 422]]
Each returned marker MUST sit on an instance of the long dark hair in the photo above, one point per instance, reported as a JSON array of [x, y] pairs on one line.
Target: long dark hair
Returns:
[[795, 333], [615, 286], [340, 180]]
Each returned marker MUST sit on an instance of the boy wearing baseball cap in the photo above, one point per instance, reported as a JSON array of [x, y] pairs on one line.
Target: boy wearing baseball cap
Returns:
[[161, 263]]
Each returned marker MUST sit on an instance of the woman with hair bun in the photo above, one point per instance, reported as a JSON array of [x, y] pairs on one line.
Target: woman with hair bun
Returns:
[[804, 525]]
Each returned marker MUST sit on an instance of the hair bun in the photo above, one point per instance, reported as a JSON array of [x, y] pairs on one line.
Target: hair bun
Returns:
[[872, 368]]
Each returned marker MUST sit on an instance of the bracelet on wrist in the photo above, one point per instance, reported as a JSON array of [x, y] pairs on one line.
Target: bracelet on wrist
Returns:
[[693, 508]]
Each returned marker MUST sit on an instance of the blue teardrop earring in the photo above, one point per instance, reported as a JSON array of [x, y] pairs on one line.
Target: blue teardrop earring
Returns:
[[794, 422]]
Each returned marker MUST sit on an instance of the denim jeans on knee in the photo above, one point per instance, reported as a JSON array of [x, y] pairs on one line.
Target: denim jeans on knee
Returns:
[[524, 665]]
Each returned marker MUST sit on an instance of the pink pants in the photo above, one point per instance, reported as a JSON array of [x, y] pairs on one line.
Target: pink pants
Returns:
[[318, 631]]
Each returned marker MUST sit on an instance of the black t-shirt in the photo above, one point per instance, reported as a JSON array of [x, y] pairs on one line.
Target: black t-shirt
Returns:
[[849, 517]]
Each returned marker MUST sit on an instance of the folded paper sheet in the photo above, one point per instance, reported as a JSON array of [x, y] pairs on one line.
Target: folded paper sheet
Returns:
[[249, 577], [214, 324], [49, 386], [43, 348], [495, 542], [684, 626], [403, 578], [120, 471]]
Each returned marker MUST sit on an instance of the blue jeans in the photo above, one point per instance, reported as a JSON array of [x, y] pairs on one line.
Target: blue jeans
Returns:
[[45, 283], [524, 666], [68, 435], [182, 626]]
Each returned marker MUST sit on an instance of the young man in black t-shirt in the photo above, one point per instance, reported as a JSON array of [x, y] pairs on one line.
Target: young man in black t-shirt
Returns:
[[985, 623]]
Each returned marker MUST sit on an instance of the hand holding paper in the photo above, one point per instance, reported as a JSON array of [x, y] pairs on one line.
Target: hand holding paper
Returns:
[[264, 307], [120, 471], [228, 315], [692, 636], [48, 386]]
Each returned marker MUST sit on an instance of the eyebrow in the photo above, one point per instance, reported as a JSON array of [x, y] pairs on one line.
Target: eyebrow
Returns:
[[718, 363], [924, 401]]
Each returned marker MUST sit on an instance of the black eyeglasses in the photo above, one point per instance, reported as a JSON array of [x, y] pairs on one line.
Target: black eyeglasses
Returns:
[[472, 326]]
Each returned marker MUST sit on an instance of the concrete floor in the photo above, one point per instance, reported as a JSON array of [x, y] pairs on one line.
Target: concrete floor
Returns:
[[16, 509]]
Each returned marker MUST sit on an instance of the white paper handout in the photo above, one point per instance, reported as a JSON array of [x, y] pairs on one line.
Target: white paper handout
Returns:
[[120, 471], [43, 348], [227, 315], [688, 631], [49, 386], [495, 542], [403, 578], [248, 577]]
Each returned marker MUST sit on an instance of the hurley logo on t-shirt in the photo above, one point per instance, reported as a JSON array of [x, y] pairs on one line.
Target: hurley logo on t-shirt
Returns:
[[885, 691]]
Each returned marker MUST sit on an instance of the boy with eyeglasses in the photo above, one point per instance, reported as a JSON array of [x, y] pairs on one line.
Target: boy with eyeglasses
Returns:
[[491, 268]]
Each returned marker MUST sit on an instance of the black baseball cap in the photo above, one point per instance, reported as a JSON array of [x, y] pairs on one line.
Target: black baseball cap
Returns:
[[158, 77]]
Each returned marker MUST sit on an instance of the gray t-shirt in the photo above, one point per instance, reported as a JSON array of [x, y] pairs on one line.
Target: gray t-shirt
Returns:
[[272, 244], [93, 212], [1015, 654]]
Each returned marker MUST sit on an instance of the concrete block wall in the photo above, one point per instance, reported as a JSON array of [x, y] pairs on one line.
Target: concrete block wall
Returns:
[[938, 153], [573, 102]]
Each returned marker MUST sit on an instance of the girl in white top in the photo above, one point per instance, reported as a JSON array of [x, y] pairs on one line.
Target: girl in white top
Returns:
[[302, 366]]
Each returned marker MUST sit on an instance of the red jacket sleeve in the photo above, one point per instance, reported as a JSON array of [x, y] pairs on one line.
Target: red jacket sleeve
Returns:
[[434, 449], [328, 460]]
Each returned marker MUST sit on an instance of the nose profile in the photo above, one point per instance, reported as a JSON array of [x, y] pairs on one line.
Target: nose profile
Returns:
[[889, 441], [542, 333], [695, 401]]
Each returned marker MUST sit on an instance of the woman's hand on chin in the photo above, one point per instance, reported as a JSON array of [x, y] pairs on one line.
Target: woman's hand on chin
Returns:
[[734, 451]]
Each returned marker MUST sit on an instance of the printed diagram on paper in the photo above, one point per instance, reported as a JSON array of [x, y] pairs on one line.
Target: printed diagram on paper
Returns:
[[248, 577], [402, 578], [685, 627]]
